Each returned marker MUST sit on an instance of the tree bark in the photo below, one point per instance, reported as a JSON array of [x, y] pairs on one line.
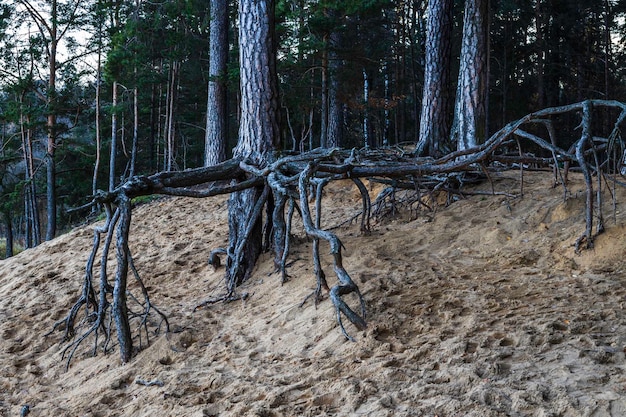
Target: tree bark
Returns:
[[434, 120], [119, 308], [540, 28], [51, 199], [324, 97], [96, 166], [112, 156], [8, 223], [216, 120], [469, 125], [258, 131], [335, 110]]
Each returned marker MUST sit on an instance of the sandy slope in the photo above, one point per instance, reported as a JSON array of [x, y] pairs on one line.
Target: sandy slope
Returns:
[[479, 309]]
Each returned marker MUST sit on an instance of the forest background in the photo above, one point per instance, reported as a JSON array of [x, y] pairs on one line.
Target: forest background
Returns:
[[94, 92]]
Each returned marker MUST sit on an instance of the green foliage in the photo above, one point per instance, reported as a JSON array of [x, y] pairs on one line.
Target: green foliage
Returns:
[[145, 47], [144, 199], [17, 248]]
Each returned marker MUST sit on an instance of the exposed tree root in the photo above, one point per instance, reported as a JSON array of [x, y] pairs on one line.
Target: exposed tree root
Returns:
[[289, 183], [346, 285], [107, 311]]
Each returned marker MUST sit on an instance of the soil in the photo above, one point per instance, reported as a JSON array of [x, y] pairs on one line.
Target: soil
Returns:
[[480, 307]]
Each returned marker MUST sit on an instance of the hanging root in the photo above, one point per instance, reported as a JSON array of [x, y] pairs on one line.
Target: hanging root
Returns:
[[107, 311], [346, 285], [320, 276], [587, 236]]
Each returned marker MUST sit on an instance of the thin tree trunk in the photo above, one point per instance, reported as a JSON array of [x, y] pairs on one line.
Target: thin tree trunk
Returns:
[[387, 122], [324, 98], [9, 234], [51, 199], [366, 116], [112, 157], [170, 125], [216, 118], [153, 130], [540, 22], [33, 226], [135, 145], [96, 166]]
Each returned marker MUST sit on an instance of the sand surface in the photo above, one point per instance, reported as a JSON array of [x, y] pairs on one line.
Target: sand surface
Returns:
[[480, 308]]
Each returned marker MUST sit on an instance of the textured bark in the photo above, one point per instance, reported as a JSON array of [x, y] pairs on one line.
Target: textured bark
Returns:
[[434, 120], [469, 125], [51, 206], [96, 165], [258, 130], [540, 27], [335, 110], [51, 197], [120, 309], [112, 154], [324, 98], [216, 120]]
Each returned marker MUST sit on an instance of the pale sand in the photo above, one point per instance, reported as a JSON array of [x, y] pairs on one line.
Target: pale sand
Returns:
[[479, 309]]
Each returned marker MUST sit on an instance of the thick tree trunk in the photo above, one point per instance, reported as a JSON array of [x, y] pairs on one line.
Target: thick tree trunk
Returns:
[[434, 121], [216, 128], [258, 132], [469, 125]]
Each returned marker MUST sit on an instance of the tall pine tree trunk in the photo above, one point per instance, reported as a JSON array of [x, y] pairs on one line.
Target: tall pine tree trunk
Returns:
[[434, 121], [31, 210], [51, 198], [216, 120], [469, 125], [258, 132], [96, 166], [324, 97], [113, 154]]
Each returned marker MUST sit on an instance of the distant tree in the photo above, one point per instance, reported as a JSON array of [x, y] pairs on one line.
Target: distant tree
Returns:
[[9, 182], [55, 20]]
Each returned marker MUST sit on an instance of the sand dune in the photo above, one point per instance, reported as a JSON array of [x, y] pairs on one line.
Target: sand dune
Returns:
[[480, 308]]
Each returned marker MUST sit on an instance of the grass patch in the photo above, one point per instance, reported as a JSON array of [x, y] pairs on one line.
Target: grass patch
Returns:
[[3, 248]]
